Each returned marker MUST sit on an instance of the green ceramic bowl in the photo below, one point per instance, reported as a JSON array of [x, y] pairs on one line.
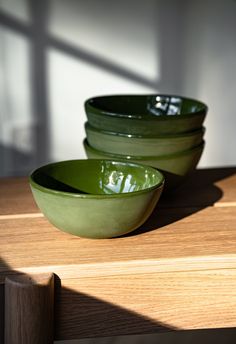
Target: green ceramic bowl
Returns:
[[135, 145], [145, 114], [175, 167], [96, 198]]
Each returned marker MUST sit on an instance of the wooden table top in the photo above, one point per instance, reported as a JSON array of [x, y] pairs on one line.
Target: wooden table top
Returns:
[[188, 244]]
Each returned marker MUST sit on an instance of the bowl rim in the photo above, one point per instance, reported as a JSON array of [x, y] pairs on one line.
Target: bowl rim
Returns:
[[90, 107], [41, 188], [194, 132], [140, 158]]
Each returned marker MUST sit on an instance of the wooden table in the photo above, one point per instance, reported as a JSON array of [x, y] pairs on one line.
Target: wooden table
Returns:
[[176, 272]]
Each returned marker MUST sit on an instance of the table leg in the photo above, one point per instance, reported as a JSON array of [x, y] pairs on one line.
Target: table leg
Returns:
[[29, 308]]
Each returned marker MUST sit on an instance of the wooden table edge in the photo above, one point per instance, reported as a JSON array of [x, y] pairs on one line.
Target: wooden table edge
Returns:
[[149, 266]]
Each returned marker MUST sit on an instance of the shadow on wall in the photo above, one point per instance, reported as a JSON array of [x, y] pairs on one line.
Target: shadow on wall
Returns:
[[142, 53], [40, 41], [38, 133], [141, 46], [15, 162]]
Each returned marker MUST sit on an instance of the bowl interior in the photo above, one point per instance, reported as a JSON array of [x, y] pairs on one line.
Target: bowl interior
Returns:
[[144, 106], [95, 177]]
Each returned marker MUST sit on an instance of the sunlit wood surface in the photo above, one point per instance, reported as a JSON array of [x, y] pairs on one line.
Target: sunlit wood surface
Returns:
[[176, 272]]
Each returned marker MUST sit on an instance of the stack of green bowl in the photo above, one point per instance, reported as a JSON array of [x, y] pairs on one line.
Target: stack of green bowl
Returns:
[[163, 131]]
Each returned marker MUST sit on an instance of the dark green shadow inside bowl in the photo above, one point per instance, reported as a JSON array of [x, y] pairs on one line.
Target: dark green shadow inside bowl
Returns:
[[96, 177], [144, 106]]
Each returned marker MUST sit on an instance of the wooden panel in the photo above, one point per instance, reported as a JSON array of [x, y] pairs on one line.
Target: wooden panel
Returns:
[[201, 240], [16, 197], [176, 272], [209, 336], [145, 303]]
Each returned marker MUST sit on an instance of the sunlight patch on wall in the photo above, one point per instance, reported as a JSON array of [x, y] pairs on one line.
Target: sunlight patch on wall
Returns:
[[71, 82], [122, 32], [211, 75]]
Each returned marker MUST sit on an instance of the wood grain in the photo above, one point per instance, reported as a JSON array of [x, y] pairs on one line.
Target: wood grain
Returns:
[[29, 307], [16, 197], [196, 241], [176, 272], [159, 302]]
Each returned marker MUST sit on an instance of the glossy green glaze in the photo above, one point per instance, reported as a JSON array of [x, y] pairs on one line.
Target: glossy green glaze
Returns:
[[96, 198], [145, 114], [175, 167], [142, 145]]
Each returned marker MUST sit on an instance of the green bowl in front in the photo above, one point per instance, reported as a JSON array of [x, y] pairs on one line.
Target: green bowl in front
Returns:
[[175, 167], [138, 145], [145, 114], [96, 198]]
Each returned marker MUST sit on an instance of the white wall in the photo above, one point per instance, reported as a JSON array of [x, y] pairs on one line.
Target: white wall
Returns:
[[104, 47], [108, 31], [210, 74]]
